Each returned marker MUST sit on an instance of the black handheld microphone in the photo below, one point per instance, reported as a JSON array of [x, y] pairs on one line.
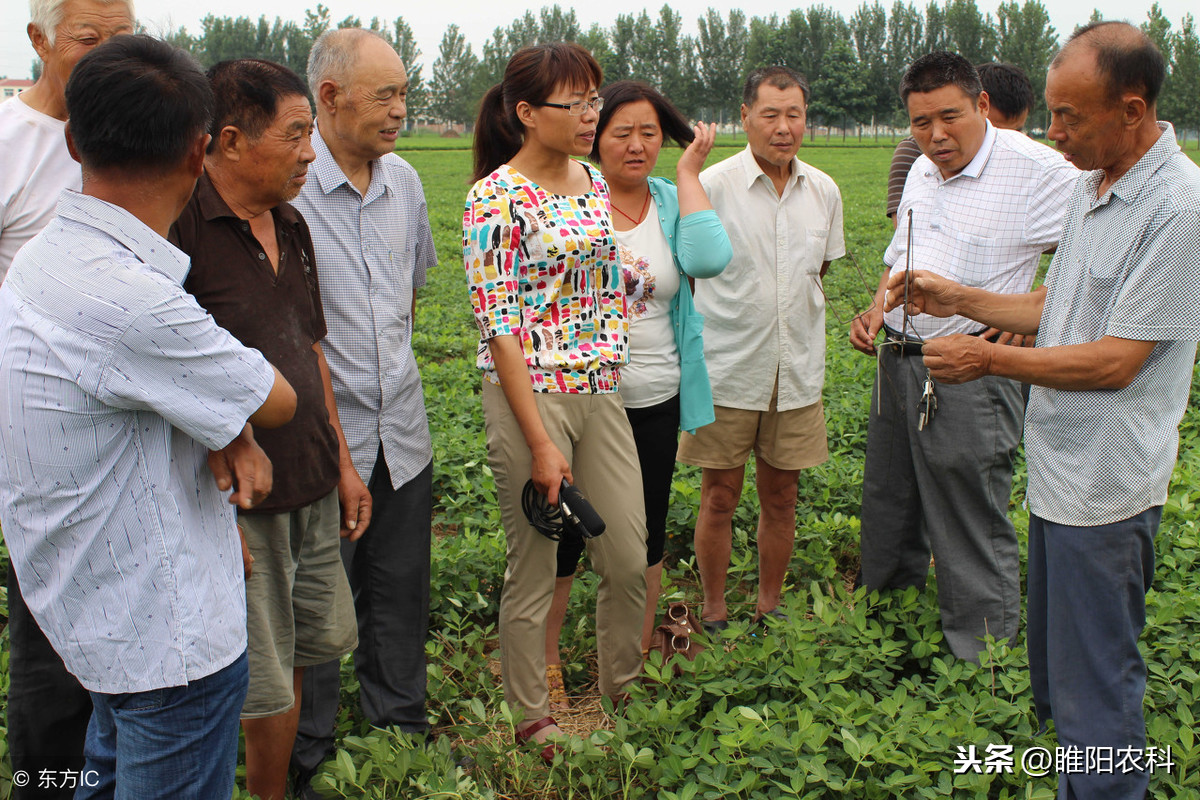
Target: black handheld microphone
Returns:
[[573, 514], [578, 514]]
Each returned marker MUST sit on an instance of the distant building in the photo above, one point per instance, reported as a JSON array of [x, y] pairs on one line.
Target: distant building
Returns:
[[11, 87]]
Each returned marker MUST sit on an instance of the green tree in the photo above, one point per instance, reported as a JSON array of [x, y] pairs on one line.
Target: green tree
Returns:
[[676, 76], [596, 41], [822, 27], [720, 59], [452, 97], [1158, 28], [905, 44], [643, 52], [840, 93], [969, 32], [179, 38], [1028, 40], [624, 32], [935, 29], [766, 43], [315, 23], [556, 25], [493, 58], [869, 28], [1183, 104], [550, 25]]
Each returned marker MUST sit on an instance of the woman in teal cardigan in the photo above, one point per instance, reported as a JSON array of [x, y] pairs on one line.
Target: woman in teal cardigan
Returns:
[[668, 235]]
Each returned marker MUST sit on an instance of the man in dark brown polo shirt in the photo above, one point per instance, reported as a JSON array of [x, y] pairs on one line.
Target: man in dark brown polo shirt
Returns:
[[253, 269]]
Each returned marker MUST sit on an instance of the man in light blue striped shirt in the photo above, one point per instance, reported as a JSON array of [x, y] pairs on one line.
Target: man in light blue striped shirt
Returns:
[[366, 211], [125, 410]]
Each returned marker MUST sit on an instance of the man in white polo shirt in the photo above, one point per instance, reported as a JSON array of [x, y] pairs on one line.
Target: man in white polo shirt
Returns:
[[764, 337], [980, 205]]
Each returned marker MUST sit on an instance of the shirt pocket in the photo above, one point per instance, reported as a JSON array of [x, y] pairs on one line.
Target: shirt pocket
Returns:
[[815, 242], [972, 258], [1108, 256]]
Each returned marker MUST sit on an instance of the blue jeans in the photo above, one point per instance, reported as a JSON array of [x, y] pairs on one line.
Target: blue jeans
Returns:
[[1086, 609], [179, 742]]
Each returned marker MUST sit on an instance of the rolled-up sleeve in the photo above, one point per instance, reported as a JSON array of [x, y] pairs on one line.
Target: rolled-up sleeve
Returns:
[[704, 248]]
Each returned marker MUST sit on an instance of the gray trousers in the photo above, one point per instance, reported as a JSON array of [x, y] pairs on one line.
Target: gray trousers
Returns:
[[389, 575], [944, 489]]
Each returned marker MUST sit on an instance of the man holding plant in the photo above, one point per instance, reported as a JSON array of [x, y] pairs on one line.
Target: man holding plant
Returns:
[[1117, 324], [981, 205]]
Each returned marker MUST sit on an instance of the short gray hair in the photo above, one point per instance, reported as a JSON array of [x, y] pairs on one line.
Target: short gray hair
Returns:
[[333, 54], [47, 15]]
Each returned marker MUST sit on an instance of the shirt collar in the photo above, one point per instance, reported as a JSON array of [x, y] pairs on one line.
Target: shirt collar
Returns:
[[213, 206], [753, 169], [974, 167], [1135, 181], [329, 175], [117, 223]]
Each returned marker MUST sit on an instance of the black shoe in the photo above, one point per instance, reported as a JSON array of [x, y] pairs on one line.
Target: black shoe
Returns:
[[761, 625], [302, 787], [713, 627], [775, 614]]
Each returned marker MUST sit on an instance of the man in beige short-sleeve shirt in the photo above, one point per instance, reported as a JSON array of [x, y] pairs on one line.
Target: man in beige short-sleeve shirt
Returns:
[[764, 337]]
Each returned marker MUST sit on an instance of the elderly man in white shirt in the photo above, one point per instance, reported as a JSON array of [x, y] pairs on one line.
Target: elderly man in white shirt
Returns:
[[764, 337], [980, 206]]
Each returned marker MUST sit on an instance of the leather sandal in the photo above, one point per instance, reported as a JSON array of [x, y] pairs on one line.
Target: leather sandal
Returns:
[[558, 690], [551, 748]]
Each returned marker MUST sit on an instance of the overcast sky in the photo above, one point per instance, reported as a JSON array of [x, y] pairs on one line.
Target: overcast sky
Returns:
[[477, 18]]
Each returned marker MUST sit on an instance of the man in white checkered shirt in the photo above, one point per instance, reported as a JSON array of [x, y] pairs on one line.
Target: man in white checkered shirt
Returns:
[[980, 206], [366, 210], [1117, 326]]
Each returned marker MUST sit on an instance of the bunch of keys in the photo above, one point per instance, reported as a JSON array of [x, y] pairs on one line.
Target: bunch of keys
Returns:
[[927, 405]]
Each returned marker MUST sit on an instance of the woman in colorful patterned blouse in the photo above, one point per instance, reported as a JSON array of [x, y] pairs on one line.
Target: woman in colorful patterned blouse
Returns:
[[547, 292], [666, 234]]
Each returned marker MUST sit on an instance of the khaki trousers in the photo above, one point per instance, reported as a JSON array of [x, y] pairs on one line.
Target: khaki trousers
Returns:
[[593, 433]]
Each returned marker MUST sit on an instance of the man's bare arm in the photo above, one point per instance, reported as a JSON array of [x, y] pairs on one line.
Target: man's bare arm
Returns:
[[1107, 363], [941, 297], [279, 407]]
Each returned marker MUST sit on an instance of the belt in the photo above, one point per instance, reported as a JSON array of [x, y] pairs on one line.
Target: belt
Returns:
[[908, 346]]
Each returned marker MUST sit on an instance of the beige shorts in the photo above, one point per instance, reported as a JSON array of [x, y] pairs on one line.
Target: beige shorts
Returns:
[[299, 609], [786, 440]]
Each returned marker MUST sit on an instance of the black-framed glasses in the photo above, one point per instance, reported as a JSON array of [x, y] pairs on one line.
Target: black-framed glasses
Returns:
[[579, 107]]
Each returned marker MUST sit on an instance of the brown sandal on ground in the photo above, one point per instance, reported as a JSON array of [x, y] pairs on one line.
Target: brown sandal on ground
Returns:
[[558, 690], [526, 734]]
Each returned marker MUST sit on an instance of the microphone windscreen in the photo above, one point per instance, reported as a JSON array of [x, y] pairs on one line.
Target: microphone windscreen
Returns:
[[572, 500]]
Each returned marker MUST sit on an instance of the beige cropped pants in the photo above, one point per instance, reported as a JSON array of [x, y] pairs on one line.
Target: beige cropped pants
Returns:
[[593, 434]]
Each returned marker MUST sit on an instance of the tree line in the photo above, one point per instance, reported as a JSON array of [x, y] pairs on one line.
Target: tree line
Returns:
[[853, 65]]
